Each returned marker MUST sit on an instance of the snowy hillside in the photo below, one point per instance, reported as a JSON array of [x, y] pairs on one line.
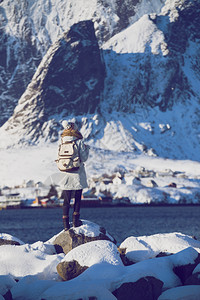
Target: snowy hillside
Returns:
[[145, 179]]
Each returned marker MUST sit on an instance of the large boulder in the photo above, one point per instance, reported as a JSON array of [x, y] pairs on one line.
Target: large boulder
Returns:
[[23, 260], [193, 279], [86, 255], [147, 288], [7, 239], [184, 271], [161, 268], [75, 236], [8, 242], [70, 269], [135, 249]]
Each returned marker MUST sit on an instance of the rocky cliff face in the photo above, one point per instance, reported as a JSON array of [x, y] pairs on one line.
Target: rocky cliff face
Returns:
[[19, 54], [69, 80], [28, 28]]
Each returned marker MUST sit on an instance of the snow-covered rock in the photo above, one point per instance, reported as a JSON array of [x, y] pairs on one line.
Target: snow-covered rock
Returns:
[[145, 288], [11, 238], [30, 288], [94, 252], [84, 256], [114, 276], [155, 266], [151, 246], [75, 236], [37, 277], [7, 282], [28, 261]]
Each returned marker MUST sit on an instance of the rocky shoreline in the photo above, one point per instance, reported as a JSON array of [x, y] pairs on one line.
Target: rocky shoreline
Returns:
[[86, 263]]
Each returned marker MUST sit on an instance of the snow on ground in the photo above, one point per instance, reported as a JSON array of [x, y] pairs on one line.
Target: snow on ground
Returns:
[[34, 266], [37, 163], [90, 229], [28, 261]]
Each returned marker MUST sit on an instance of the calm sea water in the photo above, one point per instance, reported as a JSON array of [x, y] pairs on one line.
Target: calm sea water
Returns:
[[31, 225]]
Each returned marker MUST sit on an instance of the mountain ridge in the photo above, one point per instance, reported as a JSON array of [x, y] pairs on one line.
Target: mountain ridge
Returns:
[[151, 79]]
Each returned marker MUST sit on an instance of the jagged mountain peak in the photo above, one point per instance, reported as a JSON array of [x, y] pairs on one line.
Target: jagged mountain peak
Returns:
[[29, 28], [144, 84], [68, 81], [152, 54]]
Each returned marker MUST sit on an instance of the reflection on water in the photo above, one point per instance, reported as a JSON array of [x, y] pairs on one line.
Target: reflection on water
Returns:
[[31, 225]]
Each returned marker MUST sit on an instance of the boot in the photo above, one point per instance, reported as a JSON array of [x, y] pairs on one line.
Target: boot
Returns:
[[76, 221], [66, 223]]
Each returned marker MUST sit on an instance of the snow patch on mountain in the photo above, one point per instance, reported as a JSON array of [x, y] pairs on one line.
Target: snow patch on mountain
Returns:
[[137, 37]]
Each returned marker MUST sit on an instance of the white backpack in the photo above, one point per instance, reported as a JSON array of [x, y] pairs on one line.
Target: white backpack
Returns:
[[68, 157]]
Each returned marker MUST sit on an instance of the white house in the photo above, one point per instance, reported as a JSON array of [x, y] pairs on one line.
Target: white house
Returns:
[[118, 180], [131, 179]]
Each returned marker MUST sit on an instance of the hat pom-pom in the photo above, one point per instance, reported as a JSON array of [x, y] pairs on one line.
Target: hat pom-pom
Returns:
[[69, 125]]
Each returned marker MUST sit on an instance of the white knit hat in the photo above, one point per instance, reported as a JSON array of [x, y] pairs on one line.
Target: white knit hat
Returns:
[[68, 125]]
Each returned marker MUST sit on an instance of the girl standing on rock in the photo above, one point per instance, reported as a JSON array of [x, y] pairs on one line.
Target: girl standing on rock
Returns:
[[71, 157]]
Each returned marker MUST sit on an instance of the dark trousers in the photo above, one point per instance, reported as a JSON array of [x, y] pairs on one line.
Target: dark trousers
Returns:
[[68, 194]]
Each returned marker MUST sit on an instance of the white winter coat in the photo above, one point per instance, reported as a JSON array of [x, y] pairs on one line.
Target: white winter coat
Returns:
[[76, 180]]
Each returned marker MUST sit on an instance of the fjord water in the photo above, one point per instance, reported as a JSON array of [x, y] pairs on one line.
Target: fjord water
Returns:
[[40, 224]]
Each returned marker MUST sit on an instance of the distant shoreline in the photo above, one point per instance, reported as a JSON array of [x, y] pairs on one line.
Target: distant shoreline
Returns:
[[99, 205]]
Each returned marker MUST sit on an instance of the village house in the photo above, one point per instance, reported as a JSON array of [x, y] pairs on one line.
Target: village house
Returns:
[[118, 179], [130, 179]]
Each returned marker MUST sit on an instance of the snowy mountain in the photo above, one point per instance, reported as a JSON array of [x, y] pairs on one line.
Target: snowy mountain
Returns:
[[28, 28], [69, 79], [135, 88]]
